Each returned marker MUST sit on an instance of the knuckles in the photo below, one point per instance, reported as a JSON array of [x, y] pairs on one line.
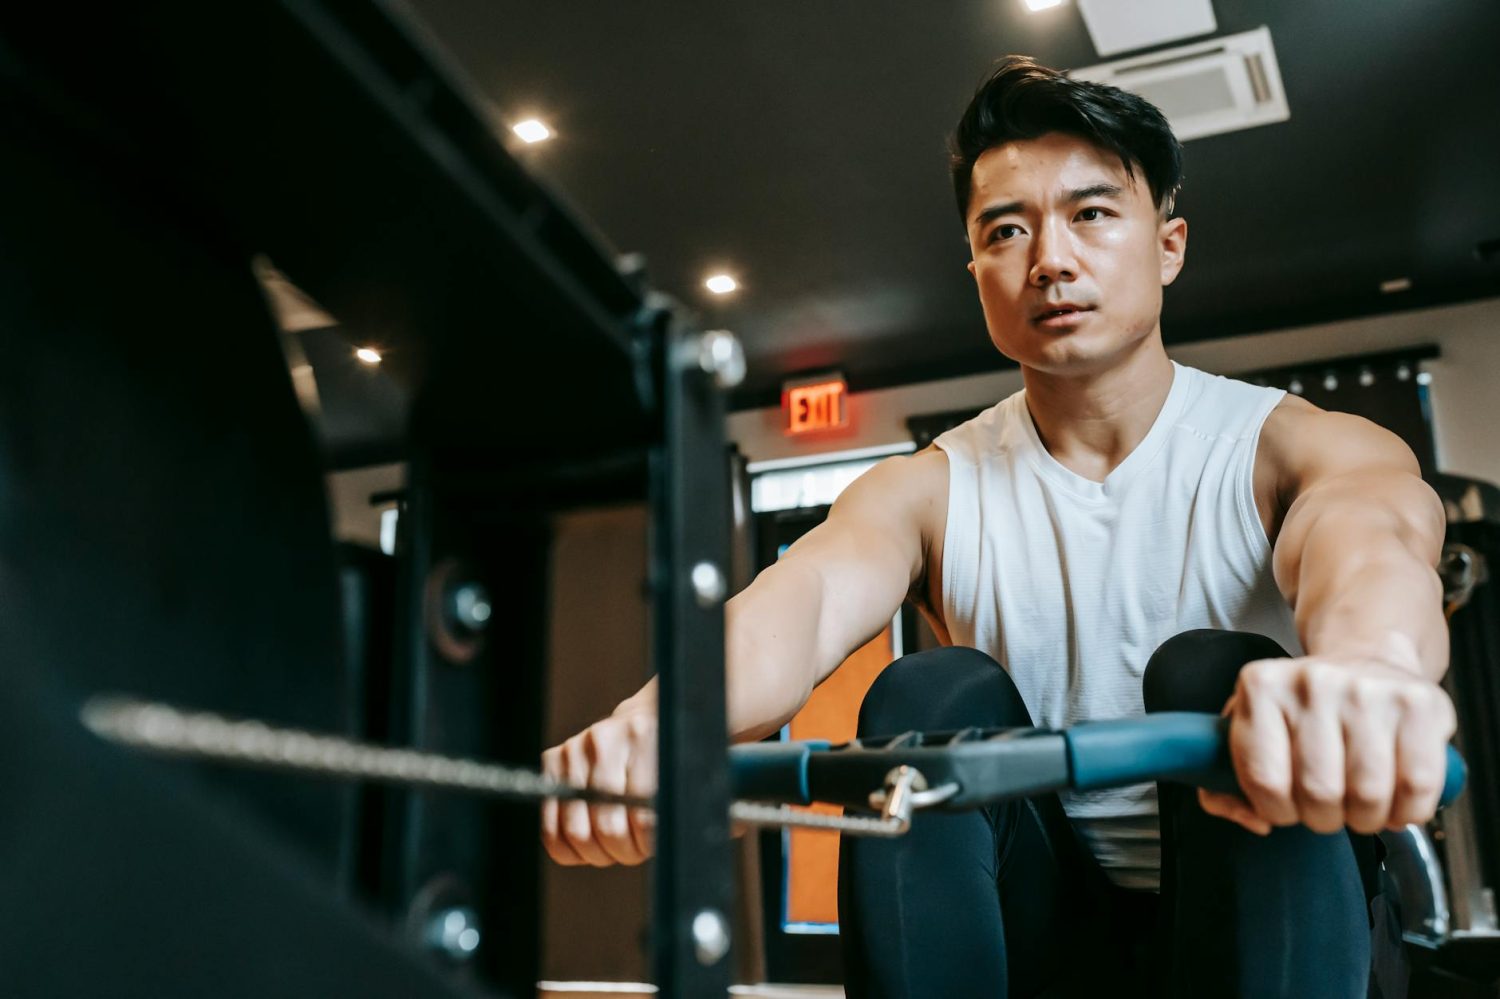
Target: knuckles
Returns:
[[1262, 779], [641, 726], [1367, 792], [576, 759], [1262, 677], [1323, 684], [1320, 683], [601, 757], [1418, 782], [1320, 792]]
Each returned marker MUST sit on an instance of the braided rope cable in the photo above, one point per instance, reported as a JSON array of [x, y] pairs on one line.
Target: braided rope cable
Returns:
[[164, 730]]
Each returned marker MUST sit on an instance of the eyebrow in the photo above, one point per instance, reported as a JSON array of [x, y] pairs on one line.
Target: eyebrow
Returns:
[[1081, 194]]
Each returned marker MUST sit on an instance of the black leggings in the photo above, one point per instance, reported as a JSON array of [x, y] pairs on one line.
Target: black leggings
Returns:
[[1007, 901]]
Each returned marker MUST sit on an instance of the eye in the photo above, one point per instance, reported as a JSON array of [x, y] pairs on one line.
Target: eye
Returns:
[[1098, 211], [997, 233]]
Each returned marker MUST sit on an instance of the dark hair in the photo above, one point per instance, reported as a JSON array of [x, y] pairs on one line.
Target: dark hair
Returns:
[[1024, 100]]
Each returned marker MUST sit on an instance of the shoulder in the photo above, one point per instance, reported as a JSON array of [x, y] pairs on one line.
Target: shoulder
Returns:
[[902, 502], [1301, 443], [1298, 434], [1292, 415], [1344, 466], [907, 493], [909, 483]]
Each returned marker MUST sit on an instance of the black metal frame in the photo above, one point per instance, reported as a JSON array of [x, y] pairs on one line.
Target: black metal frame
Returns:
[[475, 695], [1471, 842], [364, 169], [441, 852], [693, 891]]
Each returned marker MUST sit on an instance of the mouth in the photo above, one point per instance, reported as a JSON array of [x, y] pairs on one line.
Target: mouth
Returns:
[[1062, 316]]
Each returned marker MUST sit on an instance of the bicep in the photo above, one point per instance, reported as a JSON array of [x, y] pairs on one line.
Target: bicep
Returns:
[[1344, 471], [867, 555]]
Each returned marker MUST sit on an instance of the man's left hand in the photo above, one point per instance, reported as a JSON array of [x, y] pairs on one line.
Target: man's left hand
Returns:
[[1333, 741]]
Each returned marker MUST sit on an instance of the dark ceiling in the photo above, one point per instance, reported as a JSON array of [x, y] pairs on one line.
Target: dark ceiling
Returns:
[[800, 146]]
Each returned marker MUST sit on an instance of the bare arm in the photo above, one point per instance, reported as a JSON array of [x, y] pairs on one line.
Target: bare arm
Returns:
[[1357, 553], [831, 592], [1353, 732]]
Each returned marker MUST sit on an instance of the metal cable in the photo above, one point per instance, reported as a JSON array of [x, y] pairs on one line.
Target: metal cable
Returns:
[[160, 728], [752, 814], [165, 730]]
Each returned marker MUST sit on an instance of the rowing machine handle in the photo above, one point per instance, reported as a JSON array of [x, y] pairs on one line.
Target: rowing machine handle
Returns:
[[1183, 746], [775, 771]]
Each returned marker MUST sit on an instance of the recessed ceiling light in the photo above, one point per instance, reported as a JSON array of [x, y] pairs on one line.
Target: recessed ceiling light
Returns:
[[721, 284], [531, 130], [367, 355], [1042, 4]]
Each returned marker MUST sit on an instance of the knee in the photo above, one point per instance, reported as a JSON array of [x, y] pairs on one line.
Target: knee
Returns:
[[1196, 670], [941, 690]]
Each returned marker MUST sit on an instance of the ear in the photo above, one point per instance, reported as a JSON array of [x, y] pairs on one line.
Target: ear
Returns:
[[972, 271], [1172, 235]]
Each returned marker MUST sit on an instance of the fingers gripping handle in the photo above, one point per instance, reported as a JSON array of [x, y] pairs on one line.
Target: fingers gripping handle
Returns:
[[1180, 746], [1185, 747]]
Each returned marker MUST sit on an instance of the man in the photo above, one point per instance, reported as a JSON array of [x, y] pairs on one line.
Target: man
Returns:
[[1125, 533]]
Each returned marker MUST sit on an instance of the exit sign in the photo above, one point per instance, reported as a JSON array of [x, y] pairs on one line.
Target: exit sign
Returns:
[[815, 404]]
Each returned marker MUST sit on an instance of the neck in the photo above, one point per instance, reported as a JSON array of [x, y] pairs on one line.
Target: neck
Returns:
[[1091, 422]]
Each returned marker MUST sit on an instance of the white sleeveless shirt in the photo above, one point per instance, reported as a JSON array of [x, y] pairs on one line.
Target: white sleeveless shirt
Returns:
[[1072, 584]]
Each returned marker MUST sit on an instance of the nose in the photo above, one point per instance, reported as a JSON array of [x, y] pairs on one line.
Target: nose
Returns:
[[1053, 257]]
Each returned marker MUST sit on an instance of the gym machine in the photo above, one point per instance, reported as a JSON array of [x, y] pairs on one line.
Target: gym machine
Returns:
[[160, 481], [1448, 871], [159, 476]]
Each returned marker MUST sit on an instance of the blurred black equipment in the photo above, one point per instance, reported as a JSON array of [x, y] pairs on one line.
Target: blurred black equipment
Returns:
[[163, 526], [1448, 872]]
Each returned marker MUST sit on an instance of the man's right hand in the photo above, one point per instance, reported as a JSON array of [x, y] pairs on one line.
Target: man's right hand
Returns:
[[617, 755]]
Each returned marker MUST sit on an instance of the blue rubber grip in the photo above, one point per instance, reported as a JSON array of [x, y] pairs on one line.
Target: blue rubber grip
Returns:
[[774, 771], [1176, 745]]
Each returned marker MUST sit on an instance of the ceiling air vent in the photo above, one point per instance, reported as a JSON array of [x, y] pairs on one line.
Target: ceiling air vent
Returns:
[[1206, 88], [1125, 25]]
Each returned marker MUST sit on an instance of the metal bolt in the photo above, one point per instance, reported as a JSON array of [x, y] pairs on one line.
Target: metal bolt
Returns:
[[632, 267], [710, 937], [720, 354], [453, 932], [709, 585], [471, 606]]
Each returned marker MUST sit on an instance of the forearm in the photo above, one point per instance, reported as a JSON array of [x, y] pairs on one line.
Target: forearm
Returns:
[[1367, 586]]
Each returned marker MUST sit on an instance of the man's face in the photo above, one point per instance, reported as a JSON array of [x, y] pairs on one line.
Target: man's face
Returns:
[[1057, 220]]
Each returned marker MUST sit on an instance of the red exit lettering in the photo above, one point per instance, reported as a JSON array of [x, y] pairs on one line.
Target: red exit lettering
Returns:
[[817, 406]]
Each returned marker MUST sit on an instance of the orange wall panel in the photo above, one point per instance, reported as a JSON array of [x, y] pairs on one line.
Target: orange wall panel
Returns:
[[831, 713]]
